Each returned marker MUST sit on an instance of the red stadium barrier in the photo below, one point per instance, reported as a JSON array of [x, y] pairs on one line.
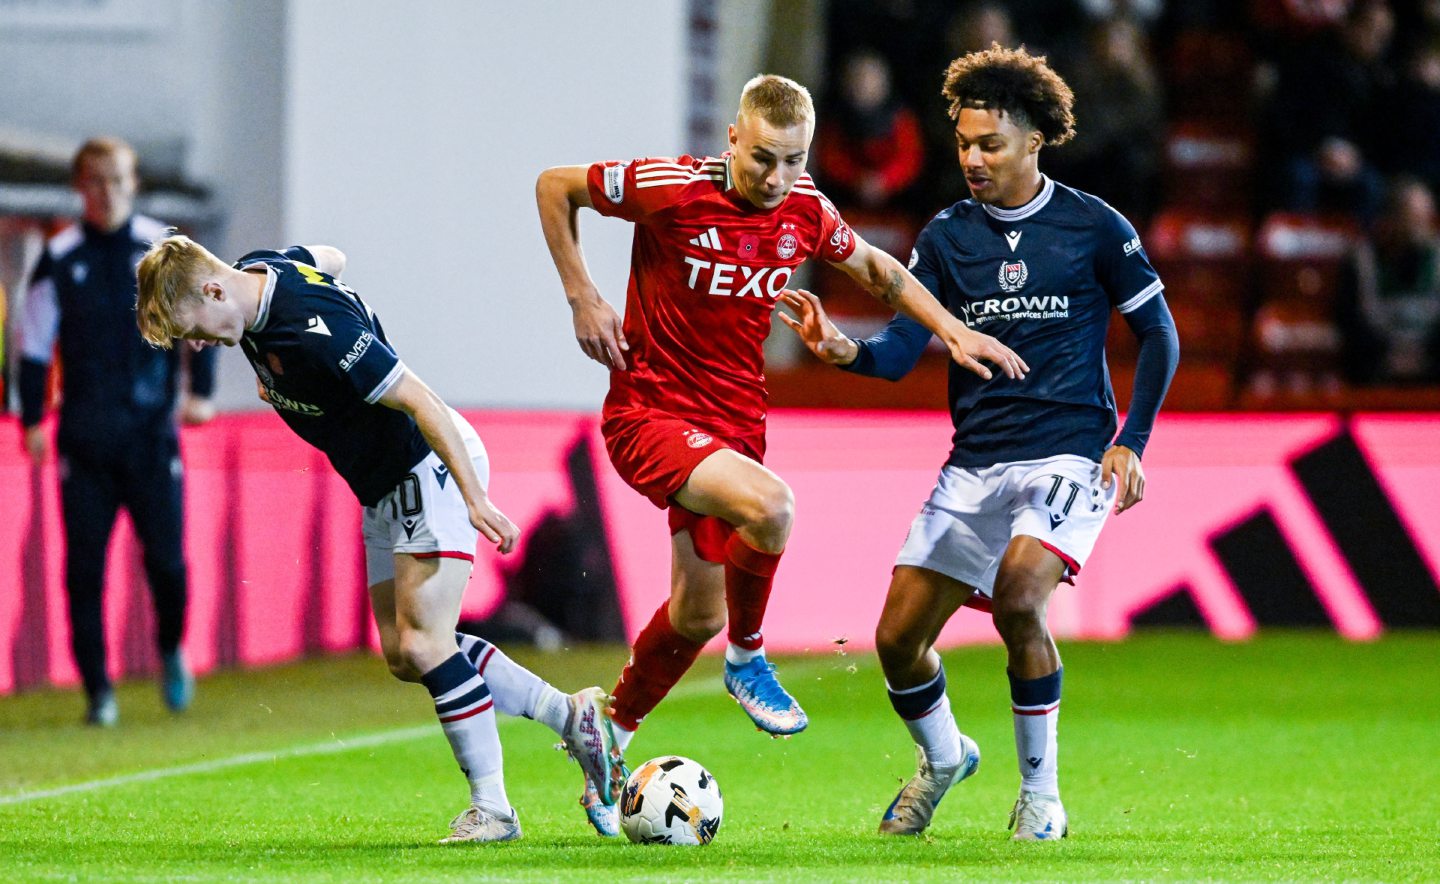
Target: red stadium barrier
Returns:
[[1249, 521]]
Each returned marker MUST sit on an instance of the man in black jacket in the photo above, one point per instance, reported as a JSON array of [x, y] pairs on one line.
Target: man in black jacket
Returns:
[[117, 440]]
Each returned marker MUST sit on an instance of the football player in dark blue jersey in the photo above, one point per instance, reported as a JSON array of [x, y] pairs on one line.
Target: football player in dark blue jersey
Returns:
[[1035, 464], [419, 469]]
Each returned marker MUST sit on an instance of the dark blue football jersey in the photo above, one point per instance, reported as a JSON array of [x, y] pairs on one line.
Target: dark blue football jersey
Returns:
[[324, 361], [1042, 278]]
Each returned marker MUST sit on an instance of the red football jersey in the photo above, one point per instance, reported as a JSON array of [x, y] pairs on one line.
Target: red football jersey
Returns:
[[706, 269]]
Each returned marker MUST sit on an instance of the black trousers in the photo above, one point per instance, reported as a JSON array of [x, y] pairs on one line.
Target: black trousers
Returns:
[[145, 478]]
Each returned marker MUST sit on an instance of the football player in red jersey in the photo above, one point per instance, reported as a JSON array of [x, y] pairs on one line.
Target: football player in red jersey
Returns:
[[716, 242]]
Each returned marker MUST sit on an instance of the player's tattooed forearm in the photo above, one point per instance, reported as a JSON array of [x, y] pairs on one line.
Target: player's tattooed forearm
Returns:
[[889, 290]]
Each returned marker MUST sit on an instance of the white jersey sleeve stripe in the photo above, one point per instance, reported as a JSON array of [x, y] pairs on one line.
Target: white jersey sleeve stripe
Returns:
[[384, 386], [707, 166], [673, 173], [1142, 296], [657, 182], [65, 242], [39, 322]]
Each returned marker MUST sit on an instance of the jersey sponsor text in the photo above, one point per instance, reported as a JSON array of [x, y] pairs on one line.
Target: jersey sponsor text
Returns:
[[991, 309], [720, 279]]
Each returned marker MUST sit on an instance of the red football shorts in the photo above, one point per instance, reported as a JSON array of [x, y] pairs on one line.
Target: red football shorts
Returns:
[[655, 452]]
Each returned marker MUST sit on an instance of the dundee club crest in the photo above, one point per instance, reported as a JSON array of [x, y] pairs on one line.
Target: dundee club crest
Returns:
[[1013, 275]]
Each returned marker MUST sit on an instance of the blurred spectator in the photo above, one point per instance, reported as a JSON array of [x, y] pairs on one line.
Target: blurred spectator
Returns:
[[1390, 310], [908, 34], [1142, 13], [976, 26], [1120, 120], [1325, 116], [116, 440], [870, 148], [1413, 117]]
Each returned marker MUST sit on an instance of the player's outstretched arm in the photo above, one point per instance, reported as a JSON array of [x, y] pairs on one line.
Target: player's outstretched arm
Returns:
[[410, 395], [890, 354], [888, 281], [560, 194], [815, 329], [328, 259]]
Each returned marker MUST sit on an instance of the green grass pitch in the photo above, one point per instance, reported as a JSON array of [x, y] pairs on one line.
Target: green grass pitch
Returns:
[[1289, 757]]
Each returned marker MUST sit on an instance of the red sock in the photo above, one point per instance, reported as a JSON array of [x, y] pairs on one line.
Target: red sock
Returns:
[[749, 574], [658, 660]]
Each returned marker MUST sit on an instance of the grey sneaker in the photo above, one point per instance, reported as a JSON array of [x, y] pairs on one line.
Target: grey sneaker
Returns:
[[590, 740], [481, 825], [101, 710], [606, 820], [1038, 817], [911, 811]]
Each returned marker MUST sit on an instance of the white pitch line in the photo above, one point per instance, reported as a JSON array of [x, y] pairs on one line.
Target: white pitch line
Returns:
[[329, 747]]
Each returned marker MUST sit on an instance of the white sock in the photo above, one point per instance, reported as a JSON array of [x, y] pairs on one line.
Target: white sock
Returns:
[[925, 709], [937, 734], [466, 710], [1037, 748], [490, 794], [517, 690], [622, 736], [738, 656]]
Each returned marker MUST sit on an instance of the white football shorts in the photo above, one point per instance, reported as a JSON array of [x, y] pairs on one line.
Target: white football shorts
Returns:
[[425, 516], [965, 526]]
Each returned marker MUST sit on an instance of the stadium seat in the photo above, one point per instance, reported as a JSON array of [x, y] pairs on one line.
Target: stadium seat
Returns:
[[1296, 340], [1208, 165], [1203, 257]]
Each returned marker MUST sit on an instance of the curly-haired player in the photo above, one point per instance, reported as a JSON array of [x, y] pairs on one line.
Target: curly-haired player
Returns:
[[1035, 467]]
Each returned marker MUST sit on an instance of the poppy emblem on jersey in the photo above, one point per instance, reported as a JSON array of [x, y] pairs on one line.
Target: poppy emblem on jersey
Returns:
[[749, 245], [786, 246], [697, 439], [1013, 276], [274, 362]]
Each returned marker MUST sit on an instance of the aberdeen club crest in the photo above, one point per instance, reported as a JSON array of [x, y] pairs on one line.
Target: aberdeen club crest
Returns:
[[1013, 275]]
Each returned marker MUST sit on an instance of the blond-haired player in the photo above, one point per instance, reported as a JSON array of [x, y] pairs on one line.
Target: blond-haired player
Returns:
[[420, 471], [716, 242]]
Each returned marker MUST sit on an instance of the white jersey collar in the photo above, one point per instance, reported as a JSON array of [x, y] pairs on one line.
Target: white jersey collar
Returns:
[[266, 297], [1019, 213]]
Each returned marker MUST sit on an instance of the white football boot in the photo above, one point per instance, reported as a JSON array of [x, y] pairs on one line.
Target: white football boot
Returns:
[[912, 809], [590, 740], [1038, 817], [481, 825]]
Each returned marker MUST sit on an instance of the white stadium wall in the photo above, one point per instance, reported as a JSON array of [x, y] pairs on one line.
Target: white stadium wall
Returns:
[[413, 138], [410, 135]]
